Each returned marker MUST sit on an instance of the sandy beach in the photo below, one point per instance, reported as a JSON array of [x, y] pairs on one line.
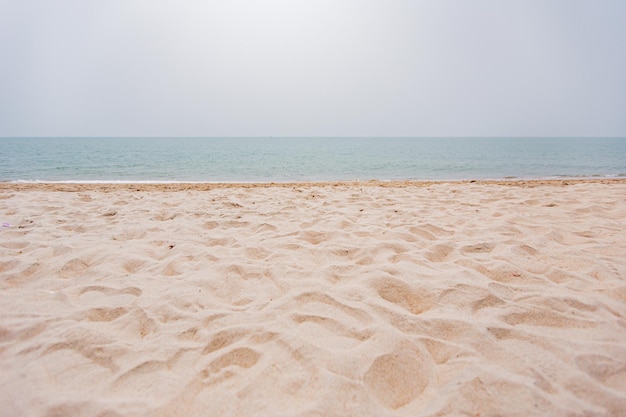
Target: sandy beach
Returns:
[[335, 299]]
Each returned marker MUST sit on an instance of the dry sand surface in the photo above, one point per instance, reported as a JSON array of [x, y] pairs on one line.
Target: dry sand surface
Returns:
[[345, 299]]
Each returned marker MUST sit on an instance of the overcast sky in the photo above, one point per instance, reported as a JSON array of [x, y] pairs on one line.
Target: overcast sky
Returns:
[[313, 67]]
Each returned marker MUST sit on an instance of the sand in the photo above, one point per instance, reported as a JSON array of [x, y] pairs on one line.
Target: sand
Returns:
[[346, 299]]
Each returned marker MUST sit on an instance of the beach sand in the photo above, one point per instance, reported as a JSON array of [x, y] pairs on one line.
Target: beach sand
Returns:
[[346, 299]]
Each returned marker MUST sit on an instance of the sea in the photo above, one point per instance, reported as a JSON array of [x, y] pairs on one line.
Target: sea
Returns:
[[299, 159]]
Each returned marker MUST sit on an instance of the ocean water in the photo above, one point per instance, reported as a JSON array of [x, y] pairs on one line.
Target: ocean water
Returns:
[[306, 159]]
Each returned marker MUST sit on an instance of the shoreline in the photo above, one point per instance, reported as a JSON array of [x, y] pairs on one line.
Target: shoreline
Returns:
[[205, 186]]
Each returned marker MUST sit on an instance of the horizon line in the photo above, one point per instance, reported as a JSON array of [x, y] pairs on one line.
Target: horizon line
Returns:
[[311, 137]]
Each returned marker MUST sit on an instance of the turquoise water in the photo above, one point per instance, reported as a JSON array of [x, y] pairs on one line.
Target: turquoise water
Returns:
[[307, 159]]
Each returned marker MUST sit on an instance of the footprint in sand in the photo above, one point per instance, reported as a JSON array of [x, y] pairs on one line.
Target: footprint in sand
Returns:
[[105, 314], [132, 266], [609, 371], [314, 238], [333, 326], [224, 366], [400, 293], [223, 339], [398, 378], [111, 291], [14, 245], [439, 253], [8, 266], [478, 248], [546, 318], [73, 268], [243, 357]]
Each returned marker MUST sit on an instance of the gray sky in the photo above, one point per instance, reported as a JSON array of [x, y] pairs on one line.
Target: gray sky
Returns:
[[313, 67]]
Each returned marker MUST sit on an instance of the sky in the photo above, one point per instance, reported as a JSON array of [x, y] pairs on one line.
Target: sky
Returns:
[[312, 68]]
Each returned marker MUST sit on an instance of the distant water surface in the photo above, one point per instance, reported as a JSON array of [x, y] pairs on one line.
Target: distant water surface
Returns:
[[307, 159]]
